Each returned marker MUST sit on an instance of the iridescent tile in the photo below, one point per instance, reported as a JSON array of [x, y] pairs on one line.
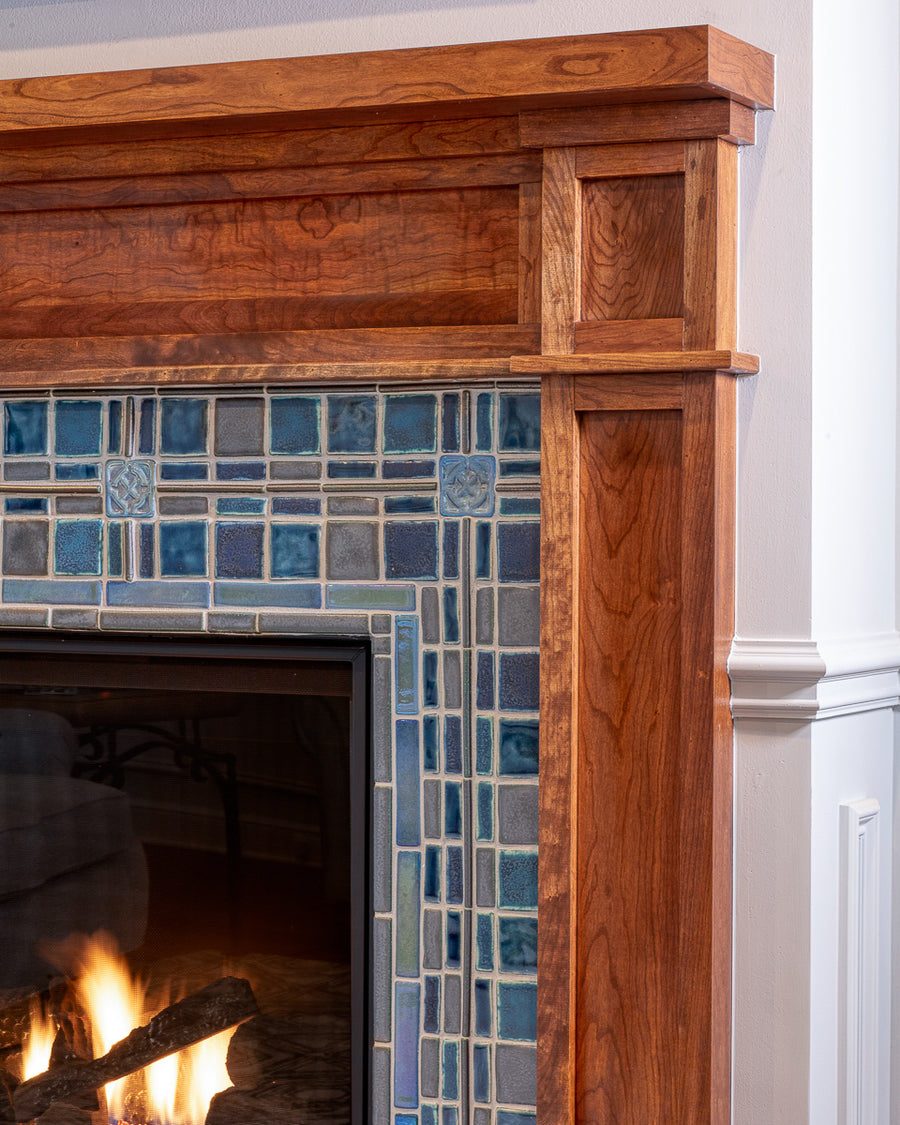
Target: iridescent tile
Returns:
[[26, 547], [147, 427], [194, 595], [24, 427], [518, 752], [410, 549], [450, 423], [288, 595], [351, 423], [179, 470], [517, 1011], [392, 597], [519, 552], [431, 879], [240, 506], [519, 422], [454, 938], [481, 1072], [406, 1045], [483, 1013], [484, 429], [429, 679], [294, 425], [406, 649], [77, 546], [294, 550], [407, 470], [485, 811], [182, 548], [432, 1015], [239, 427], [410, 423], [430, 742], [484, 940], [454, 860], [450, 1069], [240, 470], [453, 744], [518, 880], [519, 681], [518, 945], [408, 505], [183, 425], [451, 615], [484, 746], [79, 428], [451, 549], [406, 752], [406, 951], [19, 504], [239, 550], [77, 472], [482, 550], [452, 810], [27, 591], [114, 427], [484, 692], [296, 506], [520, 506]]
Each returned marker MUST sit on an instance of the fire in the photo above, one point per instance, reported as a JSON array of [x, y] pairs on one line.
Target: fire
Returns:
[[175, 1090], [37, 1047]]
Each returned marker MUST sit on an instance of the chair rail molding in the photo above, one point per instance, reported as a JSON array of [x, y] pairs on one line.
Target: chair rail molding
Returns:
[[802, 680]]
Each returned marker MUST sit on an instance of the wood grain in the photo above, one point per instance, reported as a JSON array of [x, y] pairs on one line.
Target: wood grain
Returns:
[[529, 254], [658, 333], [738, 363], [557, 858], [561, 251], [633, 248], [710, 250], [633, 123], [630, 1057], [661, 159], [639, 392]]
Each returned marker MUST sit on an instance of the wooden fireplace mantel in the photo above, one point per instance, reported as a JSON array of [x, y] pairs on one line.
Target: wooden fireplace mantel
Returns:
[[562, 208]]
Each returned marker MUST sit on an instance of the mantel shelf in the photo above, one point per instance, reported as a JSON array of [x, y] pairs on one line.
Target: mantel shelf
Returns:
[[635, 363]]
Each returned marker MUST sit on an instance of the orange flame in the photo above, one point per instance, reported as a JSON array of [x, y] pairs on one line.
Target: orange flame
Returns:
[[38, 1043]]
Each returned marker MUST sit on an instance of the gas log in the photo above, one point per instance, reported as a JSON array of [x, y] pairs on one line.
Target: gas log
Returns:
[[213, 1009]]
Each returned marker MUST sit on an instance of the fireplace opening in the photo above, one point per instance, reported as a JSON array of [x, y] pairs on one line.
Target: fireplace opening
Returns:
[[202, 807]]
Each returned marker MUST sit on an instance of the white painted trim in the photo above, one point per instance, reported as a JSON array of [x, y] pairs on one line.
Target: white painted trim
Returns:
[[803, 680], [858, 980]]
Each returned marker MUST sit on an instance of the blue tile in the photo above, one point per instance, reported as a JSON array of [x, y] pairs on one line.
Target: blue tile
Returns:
[[239, 550], [518, 880], [294, 425], [406, 1045], [130, 487], [429, 679], [114, 427], [484, 437], [520, 468], [288, 595], [25, 427], [114, 549], [484, 746], [175, 470], [345, 470], [241, 506], [183, 424], [449, 1115], [351, 423], [485, 682], [450, 1069], [182, 548], [240, 470], [429, 1115], [78, 546], [370, 597], [296, 506], [432, 1015], [406, 942], [192, 594], [34, 591], [454, 875], [406, 750], [147, 560], [450, 423], [454, 936], [408, 505], [79, 428], [77, 472], [520, 506], [451, 615], [485, 943], [431, 878], [483, 1007], [467, 485], [452, 809], [513, 1117], [410, 423], [453, 744], [294, 550], [406, 650], [519, 681], [518, 945], [430, 742], [451, 549], [481, 1073], [520, 422], [517, 1011], [485, 811], [407, 470], [405, 1119], [410, 549], [519, 552], [26, 504], [147, 428], [519, 743], [482, 550]]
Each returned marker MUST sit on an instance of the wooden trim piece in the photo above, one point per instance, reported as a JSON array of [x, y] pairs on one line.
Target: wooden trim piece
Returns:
[[561, 251], [710, 245], [530, 253], [664, 333], [557, 857], [460, 80], [611, 363], [633, 124], [661, 159], [641, 392]]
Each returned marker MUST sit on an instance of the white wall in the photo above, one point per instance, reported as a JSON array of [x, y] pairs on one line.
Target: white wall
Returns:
[[816, 557]]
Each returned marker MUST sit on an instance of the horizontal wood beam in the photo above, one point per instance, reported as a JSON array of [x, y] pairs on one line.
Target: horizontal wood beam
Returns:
[[613, 363]]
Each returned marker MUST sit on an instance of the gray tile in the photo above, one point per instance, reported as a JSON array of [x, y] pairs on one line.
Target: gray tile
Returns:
[[430, 1067], [484, 616], [482, 1117], [351, 550], [25, 546], [183, 505], [381, 1084], [431, 621], [26, 470], [79, 505], [381, 623], [452, 1003], [484, 877], [262, 595], [381, 723], [516, 1069], [231, 622], [381, 644], [43, 591], [452, 680], [432, 808], [517, 813], [74, 619], [295, 470], [432, 940], [352, 506], [381, 983], [382, 858], [518, 615], [239, 426], [152, 622], [24, 618], [344, 624], [149, 593]]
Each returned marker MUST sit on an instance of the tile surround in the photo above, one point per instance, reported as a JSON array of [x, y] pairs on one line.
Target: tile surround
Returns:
[[407, 515]]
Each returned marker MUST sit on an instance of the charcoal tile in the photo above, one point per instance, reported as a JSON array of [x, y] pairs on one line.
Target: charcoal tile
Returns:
[[381, 645], [518, 880], [451, 549], [352, 506], [135, 622], [482, 550], [481, 1072], [485, 943], [24, 427], [296, 595], [518, 615], [408, 505], [410, 549], [381, 980], [410, 423], [193, 595], [294, 550], [482, 1117], [147, 427], [433, 940], [79, 505], [146, 567], [519, 681], [430, 679], [518, 751], [431, 1021], [519, 422], [453, 744], [295, 470], [453, 930], [55, 592], [517, 814], [452, 681], [516, 1074], [431, 1068], [26, 470], [430, 616], [430, 742], [231, 622], [518, 945], [519, 551], [407, 470], [326, 624], [240, 470], [484, 616], [484, 692], [530, 468], [114, 427], [484, 429], [485, 811], [351, 550], [76, 471], [26, 546], [455, 886], [451, 616], [484, 877], [517, 1010], [381, 723], [183, 470], [452, 809], [351, 423], [79, 428], [294, 425], [452, 1004], [483, 1007], [23, 618], [382, 838], [182, 426], [431, 881], [484, 746], [450, 423], [381, 1084], [296, 506], [520, 506], [182, 548], [351, 470], [381, 623], [432, 810], [114, 549], [450, 1072], [239, 550], [239, 426]]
